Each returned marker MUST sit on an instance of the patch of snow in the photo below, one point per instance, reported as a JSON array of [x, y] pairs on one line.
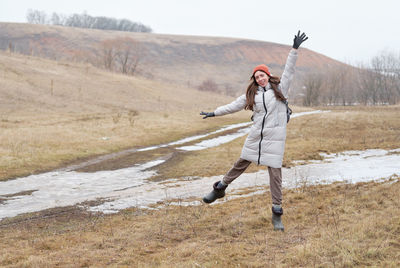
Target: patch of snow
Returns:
[[214, 142], [355, 168], [55, 189], [307, 113], [129, 187]]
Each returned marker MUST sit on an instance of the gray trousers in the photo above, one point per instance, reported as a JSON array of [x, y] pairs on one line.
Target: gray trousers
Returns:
[[275, 178]]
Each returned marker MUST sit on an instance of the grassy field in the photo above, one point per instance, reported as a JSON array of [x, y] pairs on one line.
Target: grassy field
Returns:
[[340, 129], [337, 225], [30, 144], [45, 126], [55, 113]]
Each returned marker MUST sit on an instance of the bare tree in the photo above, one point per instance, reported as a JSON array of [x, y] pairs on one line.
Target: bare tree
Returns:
[[368, 85], [56, 19], [333, 84], [108, 54], [87, 21], [379, 82], [362, 84], [36, 17], [386, 65], [128, 54], [312, 89], [346, 90], [123, 54]]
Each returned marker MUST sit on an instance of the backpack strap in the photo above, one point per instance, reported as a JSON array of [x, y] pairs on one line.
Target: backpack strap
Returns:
[[288, 110]]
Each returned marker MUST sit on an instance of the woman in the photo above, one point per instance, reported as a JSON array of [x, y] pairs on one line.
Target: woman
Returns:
[[265, 96]]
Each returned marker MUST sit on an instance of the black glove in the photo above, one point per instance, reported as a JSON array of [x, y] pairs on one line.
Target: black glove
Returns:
[[207, 114], [298, 39]]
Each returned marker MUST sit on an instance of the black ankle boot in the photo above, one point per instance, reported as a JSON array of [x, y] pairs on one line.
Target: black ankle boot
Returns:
[[217, 192], [277, 212]]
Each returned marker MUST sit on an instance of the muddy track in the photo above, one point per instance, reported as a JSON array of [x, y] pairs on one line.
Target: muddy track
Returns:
[[137, 156]]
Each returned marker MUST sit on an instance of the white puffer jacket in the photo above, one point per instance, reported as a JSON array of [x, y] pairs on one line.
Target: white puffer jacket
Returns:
[[265, 143]]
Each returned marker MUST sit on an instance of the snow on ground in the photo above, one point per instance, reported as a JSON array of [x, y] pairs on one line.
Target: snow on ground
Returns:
[[129, 187], [351, 167]]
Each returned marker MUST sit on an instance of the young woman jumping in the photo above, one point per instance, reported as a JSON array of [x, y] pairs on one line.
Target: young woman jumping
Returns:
[[265, 96]]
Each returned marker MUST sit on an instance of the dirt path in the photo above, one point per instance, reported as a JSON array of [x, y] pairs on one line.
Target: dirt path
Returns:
[[118, 181]]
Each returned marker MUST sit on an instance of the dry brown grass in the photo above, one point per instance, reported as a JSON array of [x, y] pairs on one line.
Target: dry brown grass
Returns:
[[86, 112], [33, 145], [326, 226], [344, 128], [341, 129], [56, 113], [337, 225]]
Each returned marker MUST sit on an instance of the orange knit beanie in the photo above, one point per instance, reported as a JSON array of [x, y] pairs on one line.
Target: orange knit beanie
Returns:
[[261, 67]]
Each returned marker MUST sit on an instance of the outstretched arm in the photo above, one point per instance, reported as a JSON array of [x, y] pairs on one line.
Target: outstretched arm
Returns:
[[232, 107]]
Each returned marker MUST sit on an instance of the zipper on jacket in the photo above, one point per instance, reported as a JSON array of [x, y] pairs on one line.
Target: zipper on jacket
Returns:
[[262, 129]]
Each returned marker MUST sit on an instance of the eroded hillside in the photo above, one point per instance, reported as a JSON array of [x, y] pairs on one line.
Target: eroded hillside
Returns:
[[176, 59]]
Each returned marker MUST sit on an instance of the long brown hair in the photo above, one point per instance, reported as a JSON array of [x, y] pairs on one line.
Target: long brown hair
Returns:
[[252, 91]]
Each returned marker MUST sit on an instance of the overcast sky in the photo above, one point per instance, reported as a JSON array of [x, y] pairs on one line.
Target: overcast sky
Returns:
[[351, 31]]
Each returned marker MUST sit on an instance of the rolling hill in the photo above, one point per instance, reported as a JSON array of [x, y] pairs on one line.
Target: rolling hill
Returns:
[[184, 60], [58, 105]]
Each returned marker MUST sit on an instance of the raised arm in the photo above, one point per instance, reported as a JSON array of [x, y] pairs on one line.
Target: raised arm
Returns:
[[289, 70]]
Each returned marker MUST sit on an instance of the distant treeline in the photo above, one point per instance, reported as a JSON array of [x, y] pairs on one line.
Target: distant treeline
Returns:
[[85, 21], [375, 83]]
